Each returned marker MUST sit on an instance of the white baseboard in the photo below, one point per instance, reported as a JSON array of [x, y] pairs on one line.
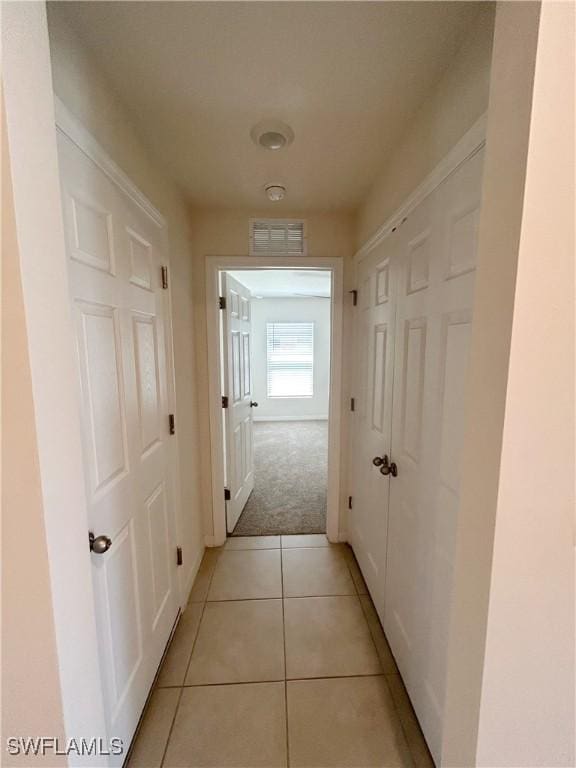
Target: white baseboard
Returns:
[[187, 587], [290, 418]]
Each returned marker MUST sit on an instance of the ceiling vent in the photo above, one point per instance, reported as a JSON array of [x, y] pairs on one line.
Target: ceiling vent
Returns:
[[281, 237]]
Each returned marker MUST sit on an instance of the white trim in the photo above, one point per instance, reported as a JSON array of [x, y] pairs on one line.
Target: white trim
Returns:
[[214, 264], [290, 418], [76, 132], [472, 141], [187, 587], [184, 585]]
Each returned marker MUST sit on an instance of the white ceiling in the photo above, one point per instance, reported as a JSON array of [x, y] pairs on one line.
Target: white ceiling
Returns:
[[285, 283], [196, 76]]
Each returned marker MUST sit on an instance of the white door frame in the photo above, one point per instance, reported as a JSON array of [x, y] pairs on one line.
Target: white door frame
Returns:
[[215, 264]]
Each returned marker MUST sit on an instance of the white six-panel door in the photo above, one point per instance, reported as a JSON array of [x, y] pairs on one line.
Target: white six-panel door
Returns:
[[120, 313], [434, 314], [432, 259], [374, 364], [238, 424]]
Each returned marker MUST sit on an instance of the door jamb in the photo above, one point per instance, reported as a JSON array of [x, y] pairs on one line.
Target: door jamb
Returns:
[[215, 264]]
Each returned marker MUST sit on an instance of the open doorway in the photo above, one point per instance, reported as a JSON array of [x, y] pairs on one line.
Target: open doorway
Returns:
[[275, 338]]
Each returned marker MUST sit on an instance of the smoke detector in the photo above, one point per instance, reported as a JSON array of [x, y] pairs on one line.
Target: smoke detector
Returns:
[[275, 192], [272, 135]]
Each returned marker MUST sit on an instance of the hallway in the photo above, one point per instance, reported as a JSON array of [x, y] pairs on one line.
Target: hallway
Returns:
[[279, 659], [290, 476], [406, 168]]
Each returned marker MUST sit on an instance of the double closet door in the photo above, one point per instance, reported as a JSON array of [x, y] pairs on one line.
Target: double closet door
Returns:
[[413, 330]]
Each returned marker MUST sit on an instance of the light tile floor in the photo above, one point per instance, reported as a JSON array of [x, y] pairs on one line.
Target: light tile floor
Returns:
[[279, 660]]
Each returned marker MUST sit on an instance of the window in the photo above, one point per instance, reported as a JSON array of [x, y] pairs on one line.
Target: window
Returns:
[[277, 236], [290, 359]]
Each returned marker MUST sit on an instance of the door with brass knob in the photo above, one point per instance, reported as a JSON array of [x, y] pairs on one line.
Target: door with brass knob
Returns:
[[121, 310], [372, 389]]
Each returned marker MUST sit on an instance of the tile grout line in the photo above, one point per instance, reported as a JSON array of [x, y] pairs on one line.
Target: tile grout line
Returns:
[[278, 597], [285, 663], [284, 679], [187, 666]]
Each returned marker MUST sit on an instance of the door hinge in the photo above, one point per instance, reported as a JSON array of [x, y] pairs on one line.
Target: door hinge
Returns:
[[224, 401], [352, 404], [164, 277], [179, 560], [222, 302], [227, 495], [172, 424], [354, 297], [349, 502]]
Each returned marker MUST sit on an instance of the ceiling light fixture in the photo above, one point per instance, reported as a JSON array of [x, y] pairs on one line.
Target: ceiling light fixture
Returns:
[[272, 140], [275, 192], [272, 135]]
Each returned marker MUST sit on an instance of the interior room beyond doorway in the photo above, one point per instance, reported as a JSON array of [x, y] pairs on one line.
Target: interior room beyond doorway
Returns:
[[275, 340]]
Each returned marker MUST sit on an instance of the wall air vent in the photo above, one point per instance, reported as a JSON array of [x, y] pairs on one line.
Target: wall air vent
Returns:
[[279, 237]]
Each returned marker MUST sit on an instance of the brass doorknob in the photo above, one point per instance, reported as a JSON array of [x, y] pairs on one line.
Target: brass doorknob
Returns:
[[99, 544], [389, 469], [386, 466]]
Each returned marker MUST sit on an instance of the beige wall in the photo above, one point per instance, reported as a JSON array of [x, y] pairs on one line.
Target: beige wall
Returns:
[[29, 657], [527, 704], [83, 89], [56, 519], [510, 698], [500, 223], [226, 233], [452, 107]]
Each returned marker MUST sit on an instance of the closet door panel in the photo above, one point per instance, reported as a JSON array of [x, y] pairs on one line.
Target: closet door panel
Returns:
[[436, 260], [415, 248], [374, 363]]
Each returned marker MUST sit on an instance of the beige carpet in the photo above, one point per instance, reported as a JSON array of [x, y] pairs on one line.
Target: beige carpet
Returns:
[[290, 468]]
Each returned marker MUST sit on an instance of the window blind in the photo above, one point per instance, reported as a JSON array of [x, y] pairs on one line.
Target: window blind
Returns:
[[277, 237], [290, 359]]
